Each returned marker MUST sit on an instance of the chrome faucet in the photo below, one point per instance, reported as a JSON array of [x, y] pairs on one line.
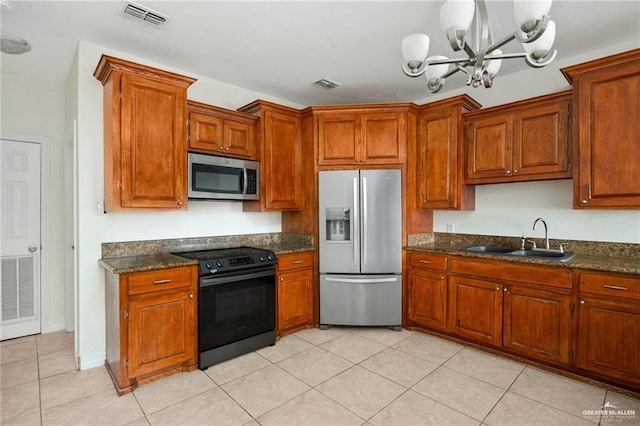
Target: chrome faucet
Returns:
[[546, 231]]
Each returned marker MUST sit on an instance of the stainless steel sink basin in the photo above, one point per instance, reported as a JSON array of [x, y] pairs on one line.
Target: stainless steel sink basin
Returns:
[[532, 254], [489, 249]]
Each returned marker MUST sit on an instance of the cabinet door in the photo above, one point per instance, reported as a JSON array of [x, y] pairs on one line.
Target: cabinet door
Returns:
[[294, 299], [476, 309], [537, 322], [438, 161], [607, 137], [540, 141], [206, 132], [281, 162], [338, 139], [239, 139], [162, 332], [383, 138], [489, 147], [153, 145], [427, 299], [609, 337]]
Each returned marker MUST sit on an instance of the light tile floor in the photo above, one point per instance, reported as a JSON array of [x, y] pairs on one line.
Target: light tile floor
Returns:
[[340, 376]]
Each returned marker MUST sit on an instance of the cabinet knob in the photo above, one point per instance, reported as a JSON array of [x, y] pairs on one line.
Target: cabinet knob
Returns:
[[515, 171], [583, 201], [220, 148], [226, 149], [281, 279], [191, 296], [442, 277], [505, 289], [498, 288], [179, 203], [508, 172], [582, 302]]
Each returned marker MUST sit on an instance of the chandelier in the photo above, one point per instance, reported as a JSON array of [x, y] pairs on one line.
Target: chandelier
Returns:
[[535, 31]]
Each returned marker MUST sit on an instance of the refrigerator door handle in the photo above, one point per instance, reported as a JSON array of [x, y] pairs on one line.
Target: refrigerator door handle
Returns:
[[355, 222], [362, 280], [364, 221]]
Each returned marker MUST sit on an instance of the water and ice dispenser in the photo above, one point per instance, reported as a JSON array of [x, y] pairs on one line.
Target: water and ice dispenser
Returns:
[[338, 223]]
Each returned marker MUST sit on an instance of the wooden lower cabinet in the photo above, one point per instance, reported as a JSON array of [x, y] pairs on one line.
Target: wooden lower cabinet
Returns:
[[151, 325], [609, 326], [428, 292], [295, 292], [537, 322], [476, 309]]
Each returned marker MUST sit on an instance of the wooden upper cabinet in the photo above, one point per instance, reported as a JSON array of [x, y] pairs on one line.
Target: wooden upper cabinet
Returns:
[[145, 136], [280, 145], [606, 131], [440, 160], [521, 141], [338, 139], [347, 136], [219, 131]]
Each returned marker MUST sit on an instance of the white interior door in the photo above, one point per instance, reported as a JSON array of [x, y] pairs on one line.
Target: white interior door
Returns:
[[20, 241]]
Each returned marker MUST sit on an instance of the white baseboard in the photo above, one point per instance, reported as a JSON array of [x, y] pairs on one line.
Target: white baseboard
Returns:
[[55, 326], [91, 361]]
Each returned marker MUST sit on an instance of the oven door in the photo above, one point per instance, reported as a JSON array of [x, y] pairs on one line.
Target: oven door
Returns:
[[235, 306]]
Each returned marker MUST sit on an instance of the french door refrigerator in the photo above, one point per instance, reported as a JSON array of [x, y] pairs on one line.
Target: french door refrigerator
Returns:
[[360, 248]]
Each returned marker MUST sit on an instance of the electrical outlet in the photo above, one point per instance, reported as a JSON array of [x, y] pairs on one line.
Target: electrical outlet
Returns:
[[451, 227]]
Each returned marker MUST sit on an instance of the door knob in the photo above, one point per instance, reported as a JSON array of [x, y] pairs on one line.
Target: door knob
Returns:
[[32, 249]]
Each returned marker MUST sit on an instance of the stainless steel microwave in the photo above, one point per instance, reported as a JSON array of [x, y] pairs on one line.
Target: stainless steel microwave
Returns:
[[221, 178]]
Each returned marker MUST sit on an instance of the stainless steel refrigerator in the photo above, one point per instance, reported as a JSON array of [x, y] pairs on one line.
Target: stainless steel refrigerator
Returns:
[[360, 234]]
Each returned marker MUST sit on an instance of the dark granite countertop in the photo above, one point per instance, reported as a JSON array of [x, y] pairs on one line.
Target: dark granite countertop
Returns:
[[139, 256], [627, 265], [146, 262]]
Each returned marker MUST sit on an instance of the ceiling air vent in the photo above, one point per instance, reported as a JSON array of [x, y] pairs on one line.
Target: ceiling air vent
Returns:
[[145, 14], [326, 83]]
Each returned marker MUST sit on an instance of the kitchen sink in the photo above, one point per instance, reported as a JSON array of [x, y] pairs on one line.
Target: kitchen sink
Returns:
[[557, 256]]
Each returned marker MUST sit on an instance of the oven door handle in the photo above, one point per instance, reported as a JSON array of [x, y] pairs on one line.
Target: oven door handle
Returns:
[[207, 282]]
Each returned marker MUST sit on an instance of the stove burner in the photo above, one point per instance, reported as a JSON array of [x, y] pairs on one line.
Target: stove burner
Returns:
[[230, 259]]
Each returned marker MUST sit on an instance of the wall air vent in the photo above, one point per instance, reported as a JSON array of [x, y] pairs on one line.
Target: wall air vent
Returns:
[[326, 83], [145, 14]]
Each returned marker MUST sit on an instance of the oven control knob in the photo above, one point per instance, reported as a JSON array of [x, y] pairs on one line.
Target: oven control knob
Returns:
[[207, 265], [261, 258], [269, 256], [219, 264]]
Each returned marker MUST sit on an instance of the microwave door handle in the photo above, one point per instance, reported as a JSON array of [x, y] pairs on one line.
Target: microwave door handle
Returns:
[[244, 181]]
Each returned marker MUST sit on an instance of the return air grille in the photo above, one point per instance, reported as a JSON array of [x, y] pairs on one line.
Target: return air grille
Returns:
[[145, 14]]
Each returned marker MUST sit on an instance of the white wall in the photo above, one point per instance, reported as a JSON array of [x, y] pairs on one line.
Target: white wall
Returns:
[[510, 209], [32, 107], [201, 219]]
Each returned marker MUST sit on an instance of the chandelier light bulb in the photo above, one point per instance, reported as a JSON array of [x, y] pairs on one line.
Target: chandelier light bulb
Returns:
[[457, 14], [436, 71], [540, 47], [415, 49], [493, 66], [526, 11]]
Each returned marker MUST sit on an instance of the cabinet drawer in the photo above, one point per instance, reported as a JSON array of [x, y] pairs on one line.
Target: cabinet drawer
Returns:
[[610, 284], [428, 261], [160, 280], [295, 261]]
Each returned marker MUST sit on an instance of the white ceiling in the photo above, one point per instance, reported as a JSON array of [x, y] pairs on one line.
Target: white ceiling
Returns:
[[281, 48]]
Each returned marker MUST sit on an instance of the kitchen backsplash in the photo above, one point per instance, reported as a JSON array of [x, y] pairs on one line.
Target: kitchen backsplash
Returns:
[[459, 241], [137, 248]]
